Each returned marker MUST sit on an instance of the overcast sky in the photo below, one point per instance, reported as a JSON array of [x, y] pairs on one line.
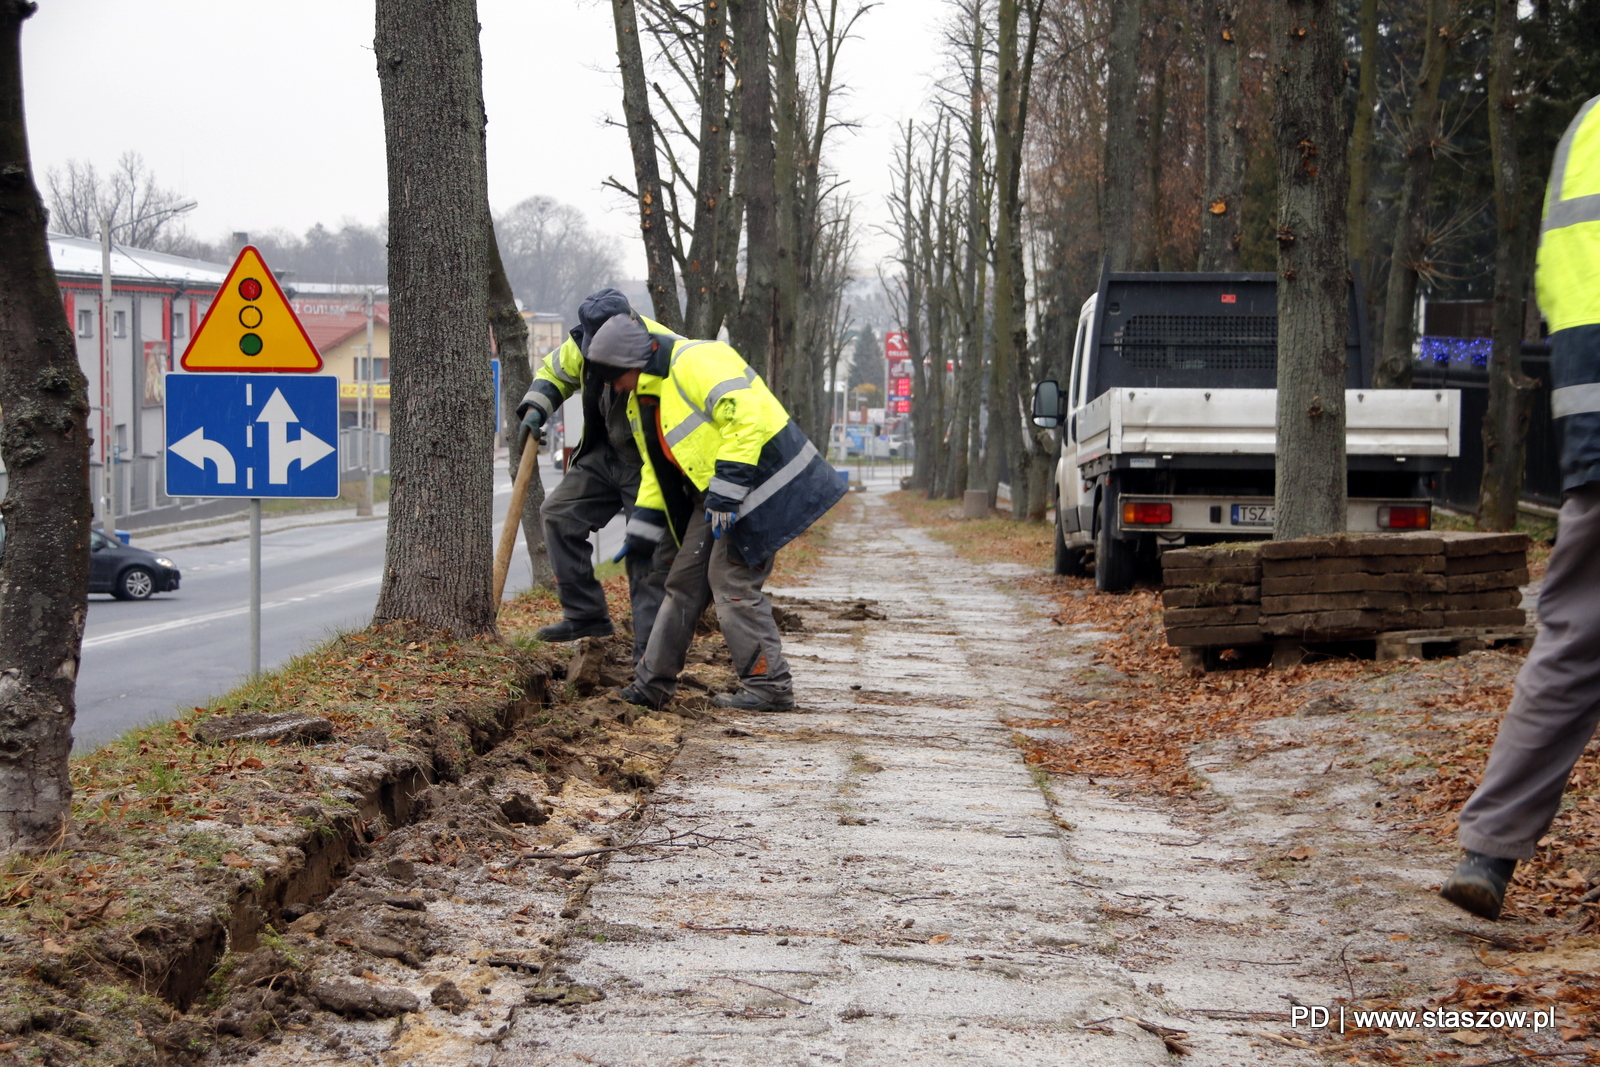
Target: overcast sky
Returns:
[[269, 116]]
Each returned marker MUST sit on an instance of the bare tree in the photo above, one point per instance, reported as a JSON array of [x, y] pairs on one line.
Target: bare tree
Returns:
[[1122, 141], [552, 257], [1312, 273], [755, 183], [142, 213], [1361, 135], [1511, 392], [662, 282], [438, 568], [1423, 138], [1221, 204], [44, 574]]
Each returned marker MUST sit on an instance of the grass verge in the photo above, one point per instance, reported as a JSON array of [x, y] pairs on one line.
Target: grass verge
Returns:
[[178, 847]]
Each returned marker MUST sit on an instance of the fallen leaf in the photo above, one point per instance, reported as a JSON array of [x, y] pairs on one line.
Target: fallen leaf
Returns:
[[1468, 1037], [1573, 1033], [233, 859], [1399, 937], [52, 947], [1301, 853], [938, 939]]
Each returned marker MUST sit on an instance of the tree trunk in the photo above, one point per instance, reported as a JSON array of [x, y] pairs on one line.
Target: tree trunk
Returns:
[[1155, 230], [1511, 393], [1360, 209], [1121, 164], [516, 375], [1312, 273], [438, 569], [700, 279], [965, 471], [1220, 203], [752, 327], [661, 283], [786, 374], [1406, 261], [44, 440]]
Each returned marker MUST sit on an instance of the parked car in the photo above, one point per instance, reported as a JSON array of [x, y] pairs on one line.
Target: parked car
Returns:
[[127, 572]]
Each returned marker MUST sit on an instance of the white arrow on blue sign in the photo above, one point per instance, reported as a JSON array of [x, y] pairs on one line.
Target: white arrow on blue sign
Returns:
[[230, 435]]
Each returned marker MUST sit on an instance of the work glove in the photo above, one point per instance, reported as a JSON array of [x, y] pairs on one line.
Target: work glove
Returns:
[[721, 521], [532, 423], [636, 548]]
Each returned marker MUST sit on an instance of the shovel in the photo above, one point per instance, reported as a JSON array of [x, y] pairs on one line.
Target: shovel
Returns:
[[508, 532]]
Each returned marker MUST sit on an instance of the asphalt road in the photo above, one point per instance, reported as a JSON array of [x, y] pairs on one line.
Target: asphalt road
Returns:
[[149, 660]]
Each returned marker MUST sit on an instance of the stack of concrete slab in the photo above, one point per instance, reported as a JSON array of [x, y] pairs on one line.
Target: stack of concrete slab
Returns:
[[1328, 588], [1212, 595]]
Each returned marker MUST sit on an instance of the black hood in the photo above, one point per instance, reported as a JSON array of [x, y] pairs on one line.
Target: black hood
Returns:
[[593, 313]]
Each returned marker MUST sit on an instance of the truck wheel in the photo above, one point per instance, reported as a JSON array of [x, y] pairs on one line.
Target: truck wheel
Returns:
[[1069, 560], [1115, 560]]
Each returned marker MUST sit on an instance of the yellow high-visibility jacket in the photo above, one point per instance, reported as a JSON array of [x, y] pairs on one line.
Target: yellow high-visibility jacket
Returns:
[[1568, 280], [705, 421], [1568, 275]]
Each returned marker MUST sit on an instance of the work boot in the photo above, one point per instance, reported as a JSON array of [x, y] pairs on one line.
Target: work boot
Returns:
[[635, 695], [746, 700], [1479, 884], [571, 630]]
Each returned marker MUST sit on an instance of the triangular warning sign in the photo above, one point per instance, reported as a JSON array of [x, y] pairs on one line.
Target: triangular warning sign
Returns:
[[250, 326]]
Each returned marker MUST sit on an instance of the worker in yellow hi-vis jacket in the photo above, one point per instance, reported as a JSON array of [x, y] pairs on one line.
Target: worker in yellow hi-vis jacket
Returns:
[[1557, 701], [601, 481], [730, 479]]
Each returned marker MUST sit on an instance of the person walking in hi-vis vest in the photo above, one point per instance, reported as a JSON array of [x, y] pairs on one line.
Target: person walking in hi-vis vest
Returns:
[[730, 479], [1557, 701], [600, 482]]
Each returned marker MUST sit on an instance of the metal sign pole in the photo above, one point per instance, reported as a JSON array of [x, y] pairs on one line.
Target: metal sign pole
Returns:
[[255, 587]]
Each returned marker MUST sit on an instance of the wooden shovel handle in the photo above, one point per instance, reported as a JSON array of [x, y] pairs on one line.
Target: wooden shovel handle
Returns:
[[508, 532]]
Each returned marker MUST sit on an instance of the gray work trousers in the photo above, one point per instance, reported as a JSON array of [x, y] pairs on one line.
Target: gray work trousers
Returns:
[[599, 485], [1557, 700], [707, 569]]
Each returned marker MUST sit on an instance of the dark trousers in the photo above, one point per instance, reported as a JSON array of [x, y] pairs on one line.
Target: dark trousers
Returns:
[[1557, 700], [707, 569], [598, 486]]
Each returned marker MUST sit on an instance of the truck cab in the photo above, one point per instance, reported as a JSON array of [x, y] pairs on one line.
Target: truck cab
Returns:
[[1168, 425]]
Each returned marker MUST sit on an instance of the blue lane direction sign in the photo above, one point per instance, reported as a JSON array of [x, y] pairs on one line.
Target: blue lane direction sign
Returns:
[[253, 435]]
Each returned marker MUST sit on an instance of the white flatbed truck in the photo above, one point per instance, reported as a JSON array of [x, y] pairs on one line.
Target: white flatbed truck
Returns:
[[1169, 429]]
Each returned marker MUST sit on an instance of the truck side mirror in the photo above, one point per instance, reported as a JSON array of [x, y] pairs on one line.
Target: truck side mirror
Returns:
[[1047, 404]]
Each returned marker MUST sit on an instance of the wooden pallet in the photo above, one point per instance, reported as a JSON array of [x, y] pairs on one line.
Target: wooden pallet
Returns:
[[1432, 644], [1280, 653]]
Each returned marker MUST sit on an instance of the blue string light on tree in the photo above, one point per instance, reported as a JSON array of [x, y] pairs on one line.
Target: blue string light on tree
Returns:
[[1462, 351]]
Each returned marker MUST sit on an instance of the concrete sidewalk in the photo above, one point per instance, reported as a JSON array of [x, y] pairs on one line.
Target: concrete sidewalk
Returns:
[[895, 887]]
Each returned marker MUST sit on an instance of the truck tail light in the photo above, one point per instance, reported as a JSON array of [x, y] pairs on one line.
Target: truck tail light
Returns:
[[1405, 517], [1136, 514]]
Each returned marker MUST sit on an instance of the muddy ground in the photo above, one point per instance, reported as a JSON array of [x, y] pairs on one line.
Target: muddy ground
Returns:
[[1000, 828]]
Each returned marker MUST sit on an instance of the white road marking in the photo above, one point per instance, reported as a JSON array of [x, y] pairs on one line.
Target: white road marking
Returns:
[[228, 613]]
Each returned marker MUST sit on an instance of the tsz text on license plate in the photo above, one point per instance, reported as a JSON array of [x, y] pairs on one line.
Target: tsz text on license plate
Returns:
[[1252, 514]]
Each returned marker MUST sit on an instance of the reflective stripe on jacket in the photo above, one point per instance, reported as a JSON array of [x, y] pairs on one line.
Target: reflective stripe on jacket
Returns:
[[1568, 280], [710, 423]]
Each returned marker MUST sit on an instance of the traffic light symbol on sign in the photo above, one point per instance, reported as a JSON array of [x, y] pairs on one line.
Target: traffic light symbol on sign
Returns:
[[250, 326]]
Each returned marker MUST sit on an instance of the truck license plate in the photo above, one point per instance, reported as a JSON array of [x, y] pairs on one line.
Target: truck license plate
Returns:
[[1252, 514]]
